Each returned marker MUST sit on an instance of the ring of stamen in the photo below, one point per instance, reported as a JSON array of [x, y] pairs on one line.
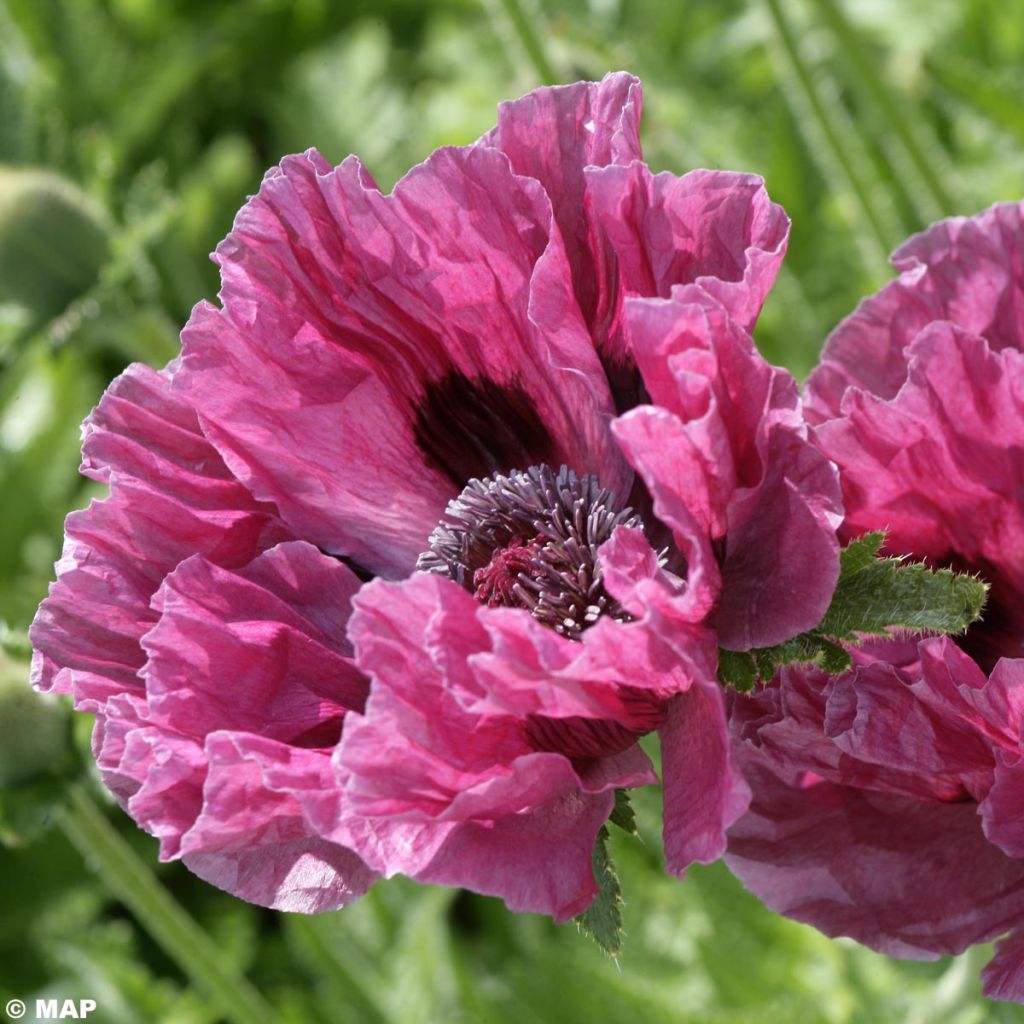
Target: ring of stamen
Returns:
[[529, 539]]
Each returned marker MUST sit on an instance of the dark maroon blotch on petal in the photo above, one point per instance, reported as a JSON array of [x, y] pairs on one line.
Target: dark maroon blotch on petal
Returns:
[[474, 428], [999, 633]]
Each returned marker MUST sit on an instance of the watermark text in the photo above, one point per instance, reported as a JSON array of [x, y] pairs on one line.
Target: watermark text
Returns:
[[53, 1009]]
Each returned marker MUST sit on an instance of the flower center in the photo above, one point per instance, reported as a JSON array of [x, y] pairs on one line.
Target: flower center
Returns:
[[529, 539]]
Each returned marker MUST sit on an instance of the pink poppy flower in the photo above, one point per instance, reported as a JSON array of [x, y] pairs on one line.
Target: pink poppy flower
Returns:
[[885, 801], [924, 455], [887, 804], [472, 376]]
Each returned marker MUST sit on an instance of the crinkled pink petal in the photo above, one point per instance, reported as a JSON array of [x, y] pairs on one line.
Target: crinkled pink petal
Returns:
[[909, 877], [517, 687], [275, 628], [415, 638], [611, 686], [1002, 810], [886, 800], [510, 856], [704, 790], [469, 747], [999, 700], [733, 469], [304, 876], [251, 837], [646, 436], [552, 135], [882, 718], [346, 379], [316, 428], [168, 771], [435, 788], [1002, 705], [617, 669], [537, 861], [601, 693], [171, 496], [1003, 976], [123, 713], [958, 419], [917, 731], [618, 673], [248, 680], [965, 270], [628, 231], [373, 353], [715, 229], [874, 812], [786, 722]]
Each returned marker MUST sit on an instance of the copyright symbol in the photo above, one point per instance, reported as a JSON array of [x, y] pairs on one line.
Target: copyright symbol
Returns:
[[15, 1009]]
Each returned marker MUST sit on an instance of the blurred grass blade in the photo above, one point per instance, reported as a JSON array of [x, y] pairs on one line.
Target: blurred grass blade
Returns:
[[179, 936], [348, 976], [15, 110], [867, 82], [837, 152], [991, 93], [529, 39]]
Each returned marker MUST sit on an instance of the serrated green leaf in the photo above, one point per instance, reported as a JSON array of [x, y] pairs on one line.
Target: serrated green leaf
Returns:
[[833, 658], [860, 553], [806, 647], [602, 920], [894, 594], [873, 596], [622, 813], [737, 668]]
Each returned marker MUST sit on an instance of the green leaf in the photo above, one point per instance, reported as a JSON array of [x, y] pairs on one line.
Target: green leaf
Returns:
[[623, 814], [833, 658], [860, 553], [737, 668], [873, 596], [891, 593], [602, 920]]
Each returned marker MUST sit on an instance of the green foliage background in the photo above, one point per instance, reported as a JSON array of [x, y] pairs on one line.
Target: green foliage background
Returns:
[[153, 119]]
